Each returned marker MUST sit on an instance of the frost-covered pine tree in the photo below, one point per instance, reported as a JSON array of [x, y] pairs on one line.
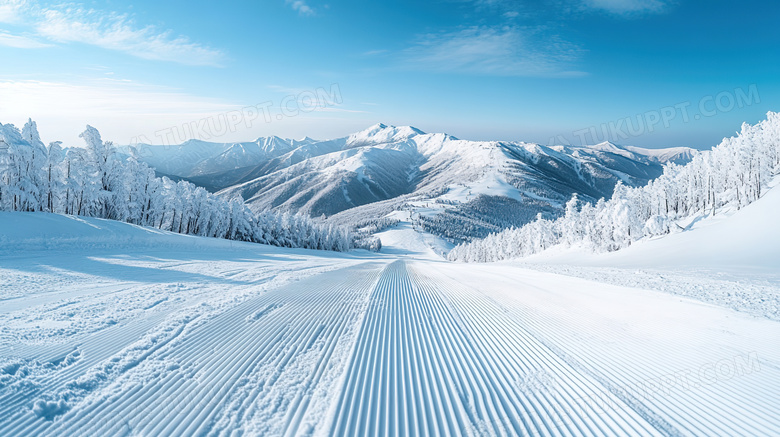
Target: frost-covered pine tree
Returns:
[[53, 184]]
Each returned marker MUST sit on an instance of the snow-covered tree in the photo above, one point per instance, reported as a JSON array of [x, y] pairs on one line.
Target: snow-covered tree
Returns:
[[96, 181], [53, 184]]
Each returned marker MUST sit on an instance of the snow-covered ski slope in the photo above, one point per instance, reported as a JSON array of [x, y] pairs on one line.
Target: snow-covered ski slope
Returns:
[[111, 329], [731, 259]]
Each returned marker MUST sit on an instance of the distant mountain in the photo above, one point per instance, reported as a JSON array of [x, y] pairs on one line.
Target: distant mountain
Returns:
[[452, 188], [195, 158]]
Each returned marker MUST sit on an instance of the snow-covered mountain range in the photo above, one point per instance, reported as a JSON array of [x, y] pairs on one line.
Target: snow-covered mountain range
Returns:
[[196, 158], [453, 188]]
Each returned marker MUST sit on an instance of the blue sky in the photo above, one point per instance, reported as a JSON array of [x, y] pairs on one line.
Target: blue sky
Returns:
[[637, 72]]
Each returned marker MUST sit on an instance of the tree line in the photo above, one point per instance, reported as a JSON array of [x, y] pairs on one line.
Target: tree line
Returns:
[[96, 181]]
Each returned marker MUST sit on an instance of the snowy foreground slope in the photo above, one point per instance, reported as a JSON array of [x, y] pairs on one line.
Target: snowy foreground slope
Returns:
[[731, 259], [111, 329], [734, 241]]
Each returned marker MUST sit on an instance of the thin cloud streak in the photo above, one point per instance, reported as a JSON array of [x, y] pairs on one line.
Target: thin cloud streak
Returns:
[[20, 41], [74, 24], [495, 51], [511, 9], [10, 10], [627, 7]]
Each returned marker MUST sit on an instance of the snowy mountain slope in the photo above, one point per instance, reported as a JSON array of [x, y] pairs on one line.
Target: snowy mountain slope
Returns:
[[479, 187], [204, 336], [676, 155], [404, 239], [732, 175], [468, 188], [242, 155], [24, 231], [333, 182]]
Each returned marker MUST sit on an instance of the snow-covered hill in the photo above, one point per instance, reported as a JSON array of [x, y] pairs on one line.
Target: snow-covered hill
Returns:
[[731, 259], [108, 328], [456, 189], [731, 176]]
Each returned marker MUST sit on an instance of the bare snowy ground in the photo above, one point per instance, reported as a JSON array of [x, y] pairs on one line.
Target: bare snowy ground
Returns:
[[204, 337], [746, 293]]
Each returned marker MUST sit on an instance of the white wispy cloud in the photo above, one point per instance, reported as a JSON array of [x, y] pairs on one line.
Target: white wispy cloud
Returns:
[[20, 41], [512, 9], [118, 32], [10, 10], [300, 6], [71, 23], [627, 7], [500, 51]]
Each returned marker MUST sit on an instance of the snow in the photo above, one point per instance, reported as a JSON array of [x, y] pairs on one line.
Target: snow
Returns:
[[492, 184], [651, 350], [404, 240], [381, 133], [678, 155], [734, 174], [91, 307], [731, 259], [399, 164], [612, 148], [24, 232], [196, 157], [732, 241], [108, 329]]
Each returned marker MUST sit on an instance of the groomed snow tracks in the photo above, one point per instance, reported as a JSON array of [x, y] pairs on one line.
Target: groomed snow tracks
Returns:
[[370, 350], [441, 362], [265, 367]]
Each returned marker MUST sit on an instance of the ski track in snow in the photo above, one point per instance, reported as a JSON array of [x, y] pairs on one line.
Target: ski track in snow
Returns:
[[431, 364], [371, 347]]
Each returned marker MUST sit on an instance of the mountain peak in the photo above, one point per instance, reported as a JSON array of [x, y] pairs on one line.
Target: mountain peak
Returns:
[[382, 126], [605, 145], [610, 147], [382, 133]]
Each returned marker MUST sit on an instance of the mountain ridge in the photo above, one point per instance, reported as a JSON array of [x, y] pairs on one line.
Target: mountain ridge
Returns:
[[476, 187]]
